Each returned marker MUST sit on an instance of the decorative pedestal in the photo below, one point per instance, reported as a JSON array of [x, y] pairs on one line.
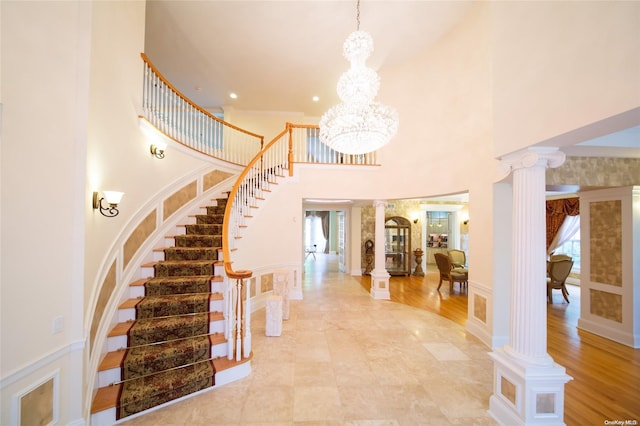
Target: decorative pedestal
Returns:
[[274, 316], [418, 256], [281, 288], [526, 394]]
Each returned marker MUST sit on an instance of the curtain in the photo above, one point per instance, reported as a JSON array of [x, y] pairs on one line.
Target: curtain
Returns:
[[569, 227], [323, 226], [557, 211], [324, 216]]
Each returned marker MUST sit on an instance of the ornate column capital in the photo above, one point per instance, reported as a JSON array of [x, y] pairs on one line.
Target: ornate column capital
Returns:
[[380, 203], [545, 157]]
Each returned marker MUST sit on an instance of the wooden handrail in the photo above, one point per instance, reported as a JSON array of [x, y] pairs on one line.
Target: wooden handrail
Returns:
[[179, 118], [226, 252], [147, 61]]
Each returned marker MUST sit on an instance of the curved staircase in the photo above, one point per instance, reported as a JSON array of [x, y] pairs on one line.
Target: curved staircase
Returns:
[[169, 341]]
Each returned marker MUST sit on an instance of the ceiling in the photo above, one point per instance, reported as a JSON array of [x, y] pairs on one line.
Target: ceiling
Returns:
[[277, 55]]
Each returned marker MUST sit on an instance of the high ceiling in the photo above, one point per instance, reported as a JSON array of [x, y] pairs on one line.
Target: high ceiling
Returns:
[[278, 55]]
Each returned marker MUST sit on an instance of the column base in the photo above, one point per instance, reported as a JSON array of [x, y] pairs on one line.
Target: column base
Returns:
[[380, 284], [526, 394]]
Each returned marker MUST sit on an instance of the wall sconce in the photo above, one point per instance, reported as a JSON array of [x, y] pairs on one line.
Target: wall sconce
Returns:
[[415, 220], [157, 150], [112, 198]]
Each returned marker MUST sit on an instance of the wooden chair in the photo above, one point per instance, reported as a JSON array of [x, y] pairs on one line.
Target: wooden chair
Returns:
[[449, 274], [558, 272]]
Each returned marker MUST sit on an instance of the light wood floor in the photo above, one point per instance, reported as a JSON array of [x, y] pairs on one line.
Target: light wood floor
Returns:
[[606, 375]]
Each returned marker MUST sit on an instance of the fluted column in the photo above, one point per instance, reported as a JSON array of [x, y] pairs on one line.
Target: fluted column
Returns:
[[379, 275], [528, 325], [528, 384]]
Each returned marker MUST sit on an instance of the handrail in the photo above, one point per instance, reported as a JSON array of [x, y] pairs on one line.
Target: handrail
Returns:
[[297, 143], [247, 190], [232, 207], [182, 120]]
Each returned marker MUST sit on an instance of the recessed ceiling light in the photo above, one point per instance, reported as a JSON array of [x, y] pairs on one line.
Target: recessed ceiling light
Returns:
[[315, 99], [233, 95]]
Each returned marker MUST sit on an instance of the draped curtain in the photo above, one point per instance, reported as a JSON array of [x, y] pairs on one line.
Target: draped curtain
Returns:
[[324, 220], [569, 227], [324, 216], [557, 211]]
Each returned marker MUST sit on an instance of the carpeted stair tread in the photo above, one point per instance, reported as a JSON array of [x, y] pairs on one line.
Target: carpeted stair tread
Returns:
[[206, 218], [153, 330], [150, 391], [149, 359], [114, 359], [122, 328], [188, 240], [172, 304], [132, 303], [203, 228], [182, 268], [179, 285], [190, 253]]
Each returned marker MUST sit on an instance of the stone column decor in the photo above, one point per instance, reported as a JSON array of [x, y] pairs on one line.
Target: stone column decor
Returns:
[[528, 385], [379, 275]]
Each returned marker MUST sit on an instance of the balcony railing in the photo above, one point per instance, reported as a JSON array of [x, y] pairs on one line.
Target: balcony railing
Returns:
[[179, 118]]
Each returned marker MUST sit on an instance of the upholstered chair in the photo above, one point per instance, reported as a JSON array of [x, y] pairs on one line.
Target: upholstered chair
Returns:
[[447, 273]]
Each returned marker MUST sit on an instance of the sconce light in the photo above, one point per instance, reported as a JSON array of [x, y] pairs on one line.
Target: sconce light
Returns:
[[158, 150], [415, 220], [466, 222], [112, 198]]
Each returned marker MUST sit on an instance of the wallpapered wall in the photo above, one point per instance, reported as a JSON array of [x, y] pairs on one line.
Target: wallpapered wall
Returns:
[[606, 257], [595, 171]]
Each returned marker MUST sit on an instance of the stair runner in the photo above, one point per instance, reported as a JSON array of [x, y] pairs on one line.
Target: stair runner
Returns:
[[168, 353]]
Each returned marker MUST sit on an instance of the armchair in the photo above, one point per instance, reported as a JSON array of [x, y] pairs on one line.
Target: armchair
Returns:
[[458, 260], [447, 273]]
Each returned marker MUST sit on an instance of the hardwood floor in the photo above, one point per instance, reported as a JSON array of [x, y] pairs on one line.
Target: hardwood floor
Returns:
[[606, 374]]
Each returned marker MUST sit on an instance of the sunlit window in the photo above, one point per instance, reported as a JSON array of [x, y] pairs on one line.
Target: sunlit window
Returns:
[[571, 248]]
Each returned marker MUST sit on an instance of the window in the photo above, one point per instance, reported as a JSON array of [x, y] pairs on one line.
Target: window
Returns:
[[571, 248]]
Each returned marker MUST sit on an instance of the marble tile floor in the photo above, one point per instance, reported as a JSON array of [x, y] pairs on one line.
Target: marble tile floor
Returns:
[[346, 359]]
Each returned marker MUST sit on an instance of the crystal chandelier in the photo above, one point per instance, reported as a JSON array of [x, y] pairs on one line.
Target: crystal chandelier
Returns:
[[358, 124]]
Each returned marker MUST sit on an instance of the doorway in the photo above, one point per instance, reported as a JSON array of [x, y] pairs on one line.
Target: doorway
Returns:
[[324, 240]]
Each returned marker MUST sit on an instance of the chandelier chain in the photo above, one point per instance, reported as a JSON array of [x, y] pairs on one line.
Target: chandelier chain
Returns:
[[358, 15]]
